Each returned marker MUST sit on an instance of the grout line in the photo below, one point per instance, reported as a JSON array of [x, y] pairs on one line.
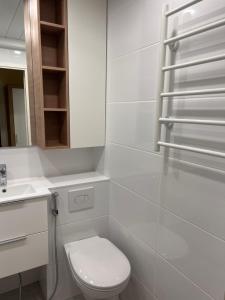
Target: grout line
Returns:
[[135, 50], [143, 286], [161, 207], [158, 154], [206, 168], [163, 258], [84, 220], [12, 19], [131, 102], [136, 194]]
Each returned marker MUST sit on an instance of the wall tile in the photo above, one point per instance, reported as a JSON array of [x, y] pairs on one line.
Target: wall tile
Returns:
[[173, 285], [133, 25], [137, 214], [199, 255], [135, 290], [34, 162], [141, 257], [196, 194], [132, 124], [133, 77], [138, 171]]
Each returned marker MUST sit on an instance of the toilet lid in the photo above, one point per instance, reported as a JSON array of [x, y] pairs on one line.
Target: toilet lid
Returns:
[[99, 263]]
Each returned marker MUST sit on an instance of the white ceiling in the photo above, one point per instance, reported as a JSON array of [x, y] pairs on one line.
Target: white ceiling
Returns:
[[12, 19]]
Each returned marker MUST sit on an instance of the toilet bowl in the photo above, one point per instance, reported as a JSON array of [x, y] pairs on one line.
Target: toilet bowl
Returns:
[[99, 268]]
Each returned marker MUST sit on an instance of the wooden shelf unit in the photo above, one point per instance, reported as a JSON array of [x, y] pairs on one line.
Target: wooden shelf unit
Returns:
[[51, 73]]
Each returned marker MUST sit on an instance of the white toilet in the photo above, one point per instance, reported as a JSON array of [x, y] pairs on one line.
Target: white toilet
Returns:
[[100, 269]]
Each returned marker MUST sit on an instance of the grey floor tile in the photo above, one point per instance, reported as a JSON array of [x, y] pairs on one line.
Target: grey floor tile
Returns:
[[29, 292]]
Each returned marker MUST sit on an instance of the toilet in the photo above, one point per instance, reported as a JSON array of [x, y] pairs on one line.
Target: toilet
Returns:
[[99, 268]]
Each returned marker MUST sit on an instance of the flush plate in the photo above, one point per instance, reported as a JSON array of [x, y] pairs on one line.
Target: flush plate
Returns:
[[81, 199]]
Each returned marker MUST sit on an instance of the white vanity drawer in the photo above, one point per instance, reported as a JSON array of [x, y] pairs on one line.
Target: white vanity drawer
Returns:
[[22, 253], [23, 217]]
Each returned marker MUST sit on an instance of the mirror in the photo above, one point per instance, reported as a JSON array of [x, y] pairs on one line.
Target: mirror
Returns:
[[15, 127]]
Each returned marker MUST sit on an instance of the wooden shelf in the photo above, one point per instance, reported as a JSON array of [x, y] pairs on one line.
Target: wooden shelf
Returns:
[[56, 109], [55, 145], [48, 27], [51, 69]]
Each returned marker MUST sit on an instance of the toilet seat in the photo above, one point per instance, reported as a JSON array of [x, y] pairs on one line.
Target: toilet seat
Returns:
[[97, 264]]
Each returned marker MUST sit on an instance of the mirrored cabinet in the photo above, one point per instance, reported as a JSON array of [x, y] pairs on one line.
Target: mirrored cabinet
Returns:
[[58, 101]]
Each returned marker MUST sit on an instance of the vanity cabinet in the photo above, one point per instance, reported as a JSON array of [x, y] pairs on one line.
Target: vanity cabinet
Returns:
[[68, 42], [23, 236]]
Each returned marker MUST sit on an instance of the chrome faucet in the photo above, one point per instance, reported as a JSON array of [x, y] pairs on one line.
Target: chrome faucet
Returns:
[[3, 175]]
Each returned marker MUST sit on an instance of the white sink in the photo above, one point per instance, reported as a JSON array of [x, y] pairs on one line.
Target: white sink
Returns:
[[14, 192]]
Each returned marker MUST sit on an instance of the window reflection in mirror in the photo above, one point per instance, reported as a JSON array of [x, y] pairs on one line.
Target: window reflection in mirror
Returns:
[[14, 102]]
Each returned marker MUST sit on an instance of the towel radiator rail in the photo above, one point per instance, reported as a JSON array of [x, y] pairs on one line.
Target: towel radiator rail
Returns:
[[161, 94]]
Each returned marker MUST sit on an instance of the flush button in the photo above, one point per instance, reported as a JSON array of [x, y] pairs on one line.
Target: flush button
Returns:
[[81, 199]]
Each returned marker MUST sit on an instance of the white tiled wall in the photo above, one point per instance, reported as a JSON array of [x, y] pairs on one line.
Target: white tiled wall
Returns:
[[167, 215], [34, 162]]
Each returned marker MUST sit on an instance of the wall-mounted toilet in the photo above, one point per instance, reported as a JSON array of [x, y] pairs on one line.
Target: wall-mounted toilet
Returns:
[[99, 268]]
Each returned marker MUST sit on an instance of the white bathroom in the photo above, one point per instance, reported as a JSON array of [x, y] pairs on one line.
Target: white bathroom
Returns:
[[112, 149]]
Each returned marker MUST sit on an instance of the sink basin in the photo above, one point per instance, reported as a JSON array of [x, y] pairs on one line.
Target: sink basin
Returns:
[[16, 191]]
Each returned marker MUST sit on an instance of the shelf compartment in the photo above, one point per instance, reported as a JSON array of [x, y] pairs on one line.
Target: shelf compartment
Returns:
[[52, 11], [56, 129], [54, 90], [53, 49]]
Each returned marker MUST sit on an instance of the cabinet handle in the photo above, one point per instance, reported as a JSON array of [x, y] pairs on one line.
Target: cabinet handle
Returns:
[[12, 202], [13, 240]]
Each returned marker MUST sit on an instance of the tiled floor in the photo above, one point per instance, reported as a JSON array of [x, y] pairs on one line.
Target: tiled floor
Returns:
[[30, 292]]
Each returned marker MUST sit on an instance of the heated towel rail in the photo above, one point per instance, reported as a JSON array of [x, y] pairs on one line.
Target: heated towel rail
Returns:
[[161, 95]]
